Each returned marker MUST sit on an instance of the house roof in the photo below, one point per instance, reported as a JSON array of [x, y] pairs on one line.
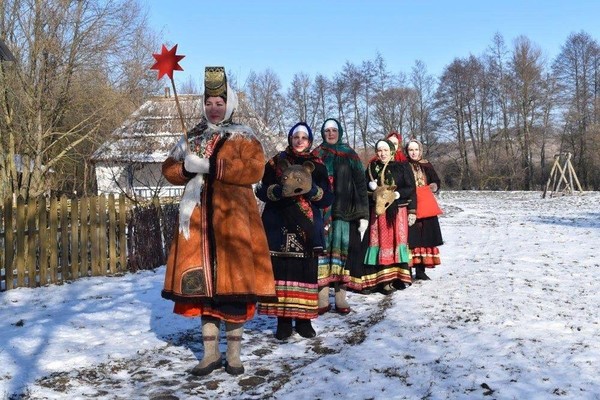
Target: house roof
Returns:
[[150, 133]]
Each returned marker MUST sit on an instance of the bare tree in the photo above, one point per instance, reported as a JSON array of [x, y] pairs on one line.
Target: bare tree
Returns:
[[263, 91], [324, 103], [453, 98], [422, 109], [577, 69], [501, 82], [300, 99], [339, 91], [391, 108], [73, 78], [527, 66]]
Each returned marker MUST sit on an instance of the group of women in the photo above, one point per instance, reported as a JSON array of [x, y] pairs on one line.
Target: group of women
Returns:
[[346, 228]]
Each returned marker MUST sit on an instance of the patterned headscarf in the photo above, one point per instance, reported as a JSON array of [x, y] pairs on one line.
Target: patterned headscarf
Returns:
[[328, 152]]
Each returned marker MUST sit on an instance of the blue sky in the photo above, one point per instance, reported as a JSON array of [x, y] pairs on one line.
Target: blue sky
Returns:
[[320, 36]]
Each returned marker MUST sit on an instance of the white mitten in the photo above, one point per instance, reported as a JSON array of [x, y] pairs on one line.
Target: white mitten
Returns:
[[396, 195], [412, 218], [372, 185], [362, 227], [433, 186], [193, 163]]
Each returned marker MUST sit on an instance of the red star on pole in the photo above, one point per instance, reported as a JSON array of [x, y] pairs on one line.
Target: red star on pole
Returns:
[[167, 62]]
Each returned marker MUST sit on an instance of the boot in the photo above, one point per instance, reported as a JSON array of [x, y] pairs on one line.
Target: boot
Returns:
[[284, 328], [212, 356], [387, 288], [234, 332], [420, 275], [341, 304], [399, 285], [324, 305], [304, 328]]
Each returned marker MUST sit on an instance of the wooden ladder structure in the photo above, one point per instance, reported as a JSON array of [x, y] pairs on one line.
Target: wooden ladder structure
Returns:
[[560, 175]]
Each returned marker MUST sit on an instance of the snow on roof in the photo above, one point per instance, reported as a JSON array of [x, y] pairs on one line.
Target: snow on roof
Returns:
[[153, 129]]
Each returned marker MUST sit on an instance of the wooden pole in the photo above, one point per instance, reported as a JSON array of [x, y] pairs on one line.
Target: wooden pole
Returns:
[[179, 110], [551, 176]]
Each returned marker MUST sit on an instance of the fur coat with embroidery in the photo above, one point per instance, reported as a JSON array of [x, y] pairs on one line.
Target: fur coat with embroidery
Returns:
[[225, 255]]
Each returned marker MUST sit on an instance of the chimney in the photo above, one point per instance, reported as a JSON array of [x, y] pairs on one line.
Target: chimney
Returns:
[[167, 92]]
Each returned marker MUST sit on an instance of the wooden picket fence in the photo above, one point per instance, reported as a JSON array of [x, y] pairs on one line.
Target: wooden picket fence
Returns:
[[46, 241], [50, 241]]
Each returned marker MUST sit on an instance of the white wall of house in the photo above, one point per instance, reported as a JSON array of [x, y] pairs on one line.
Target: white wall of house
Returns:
[[140, 180]]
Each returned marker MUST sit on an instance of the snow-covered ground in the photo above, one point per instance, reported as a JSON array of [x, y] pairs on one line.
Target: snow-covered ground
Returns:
[[512, 313]]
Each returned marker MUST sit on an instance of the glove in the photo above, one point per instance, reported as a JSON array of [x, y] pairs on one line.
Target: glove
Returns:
[[372, 185], [412, 218], [434, 187], [276, 192], [362, 227], [396, 195], [313, 191], [193, 163]]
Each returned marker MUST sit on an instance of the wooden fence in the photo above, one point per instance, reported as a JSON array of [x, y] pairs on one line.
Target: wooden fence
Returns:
[[45, 241]]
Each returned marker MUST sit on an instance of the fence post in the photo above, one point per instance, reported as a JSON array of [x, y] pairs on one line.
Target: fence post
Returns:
[[43, 235], [102, 246], [53, 240], [20, 245], [75, 242], [122, 233], [84, 269], [64, 239], [31, 261], [9, 250], [112, 242], [94, 245]]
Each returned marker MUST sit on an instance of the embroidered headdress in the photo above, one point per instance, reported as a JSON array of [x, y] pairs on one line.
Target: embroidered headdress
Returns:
[[215, 82]]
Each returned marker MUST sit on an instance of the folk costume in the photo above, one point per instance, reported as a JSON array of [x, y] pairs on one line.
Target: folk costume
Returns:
[[294, 227], [218, 264], [425, 235], [340, 265], [387, 259]]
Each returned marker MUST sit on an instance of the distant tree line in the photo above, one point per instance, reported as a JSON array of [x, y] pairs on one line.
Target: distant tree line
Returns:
[[492, 121]]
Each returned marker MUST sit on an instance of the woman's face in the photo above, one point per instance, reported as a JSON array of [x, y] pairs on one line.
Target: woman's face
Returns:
[[331, 135], [384, 153], [413, 151], [300, 141], [215, 108]]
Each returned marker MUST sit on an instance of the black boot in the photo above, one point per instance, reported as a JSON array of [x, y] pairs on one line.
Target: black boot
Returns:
[[420, 275], [284, 328], [304, 328], [399, 285]]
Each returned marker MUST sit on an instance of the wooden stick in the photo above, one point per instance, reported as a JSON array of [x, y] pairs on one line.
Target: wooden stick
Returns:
[[550, 177], [179, 109]]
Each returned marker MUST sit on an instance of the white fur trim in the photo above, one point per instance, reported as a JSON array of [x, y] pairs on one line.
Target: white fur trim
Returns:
[[191, 197]]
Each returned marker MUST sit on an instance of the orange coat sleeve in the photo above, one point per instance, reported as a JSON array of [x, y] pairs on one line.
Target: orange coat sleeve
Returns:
[[240, 162]]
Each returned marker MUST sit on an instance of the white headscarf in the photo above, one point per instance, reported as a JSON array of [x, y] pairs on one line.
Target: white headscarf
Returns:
[[231, 105]]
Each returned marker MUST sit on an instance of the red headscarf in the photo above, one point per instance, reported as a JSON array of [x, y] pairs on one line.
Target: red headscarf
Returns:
[[399, 156]]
